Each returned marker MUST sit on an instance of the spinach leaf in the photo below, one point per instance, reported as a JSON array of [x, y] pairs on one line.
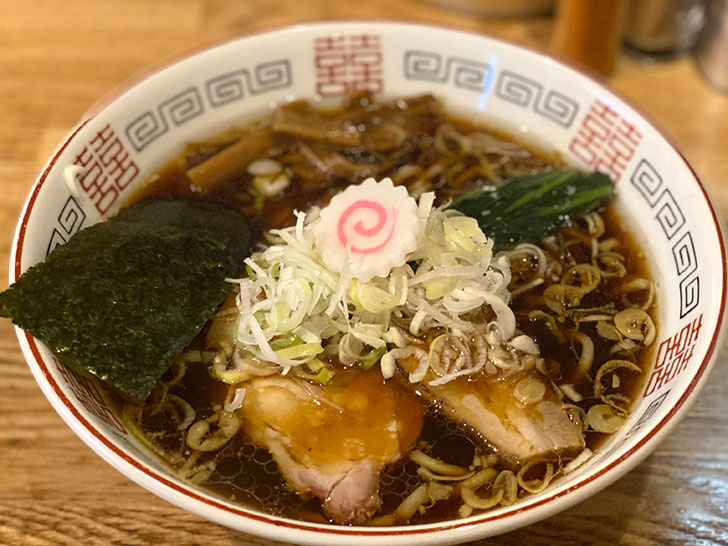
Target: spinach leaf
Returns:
[[526, 208]]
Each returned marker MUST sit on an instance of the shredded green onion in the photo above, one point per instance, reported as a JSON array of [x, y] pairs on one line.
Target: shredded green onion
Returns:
[[284, 342], [319, 372], [294, 304], [300, 350], [371, 358]]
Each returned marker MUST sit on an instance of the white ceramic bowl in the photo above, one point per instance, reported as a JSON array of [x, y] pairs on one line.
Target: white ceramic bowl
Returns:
[[526, 93]]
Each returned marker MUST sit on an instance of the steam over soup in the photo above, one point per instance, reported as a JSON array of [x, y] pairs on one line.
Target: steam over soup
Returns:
[[400, 347]]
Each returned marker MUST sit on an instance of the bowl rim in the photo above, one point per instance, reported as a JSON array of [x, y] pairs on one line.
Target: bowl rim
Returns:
[[307, 532]]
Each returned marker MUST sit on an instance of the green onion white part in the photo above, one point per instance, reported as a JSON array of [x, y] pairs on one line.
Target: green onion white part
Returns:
[[450, 274]]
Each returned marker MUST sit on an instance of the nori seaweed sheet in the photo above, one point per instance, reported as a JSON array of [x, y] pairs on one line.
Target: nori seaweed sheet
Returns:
[[123, 297]]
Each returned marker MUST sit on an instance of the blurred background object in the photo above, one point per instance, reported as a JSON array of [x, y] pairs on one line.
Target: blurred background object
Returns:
[[663, 27], [589, 32], [711, 53], [499, 8]]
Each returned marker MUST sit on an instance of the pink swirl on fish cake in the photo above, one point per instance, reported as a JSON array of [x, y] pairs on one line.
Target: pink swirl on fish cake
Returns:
[[360, 229]]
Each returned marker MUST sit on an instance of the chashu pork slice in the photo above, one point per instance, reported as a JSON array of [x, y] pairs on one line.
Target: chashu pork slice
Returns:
[[489, 405], [332, 441], [520, 432]]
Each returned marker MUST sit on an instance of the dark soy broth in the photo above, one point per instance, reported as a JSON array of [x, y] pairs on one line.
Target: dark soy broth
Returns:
[[248, 474]]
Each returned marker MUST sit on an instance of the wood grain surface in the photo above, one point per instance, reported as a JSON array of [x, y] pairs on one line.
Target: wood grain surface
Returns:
[[58, 57]]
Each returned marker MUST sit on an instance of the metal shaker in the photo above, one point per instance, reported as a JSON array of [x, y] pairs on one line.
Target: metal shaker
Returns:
[[663, 27], [711, 51]]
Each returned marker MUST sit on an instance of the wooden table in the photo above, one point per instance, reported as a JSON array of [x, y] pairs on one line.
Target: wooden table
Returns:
[[58, 57]]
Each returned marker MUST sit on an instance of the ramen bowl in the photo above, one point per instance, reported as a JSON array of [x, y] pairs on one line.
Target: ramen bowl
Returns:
[[535, 98]]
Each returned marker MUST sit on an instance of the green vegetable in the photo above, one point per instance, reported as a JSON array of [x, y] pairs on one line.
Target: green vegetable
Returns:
[[314, 370], [526, 208], [283, 342], [322, 373], [300, 350], [372, 357], [124, 296]]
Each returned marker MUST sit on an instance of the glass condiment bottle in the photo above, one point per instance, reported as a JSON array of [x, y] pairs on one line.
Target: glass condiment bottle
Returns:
[[589, 32]]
